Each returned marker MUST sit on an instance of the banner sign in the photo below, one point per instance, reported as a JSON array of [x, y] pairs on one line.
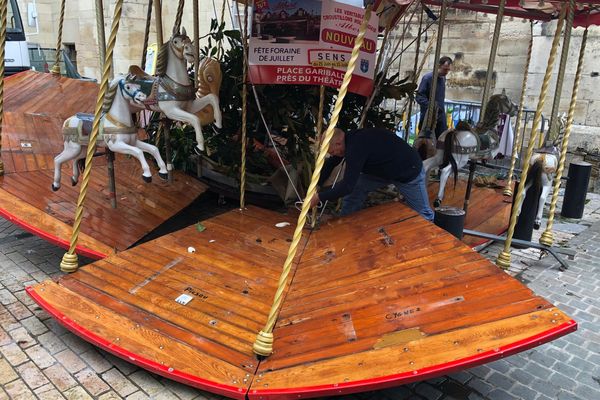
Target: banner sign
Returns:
[[309, 42]]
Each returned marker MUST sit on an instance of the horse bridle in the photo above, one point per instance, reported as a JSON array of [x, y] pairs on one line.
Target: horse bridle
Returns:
[[124, 90]]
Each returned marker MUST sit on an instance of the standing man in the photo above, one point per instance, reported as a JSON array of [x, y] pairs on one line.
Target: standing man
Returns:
[[422, 97], [374, 158]]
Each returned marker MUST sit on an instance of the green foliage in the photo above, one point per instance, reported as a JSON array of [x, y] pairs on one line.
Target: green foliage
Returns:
[[289, 110]]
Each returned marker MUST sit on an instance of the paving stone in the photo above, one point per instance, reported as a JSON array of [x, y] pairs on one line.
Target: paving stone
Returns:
[[13, 353], [182, 391], [7, 373], [71, 361], [51, 394], [40, 356], [429, 391], [147, 383], [34, 326], [139, 395], [18, 390], [60, 377], [77, 393], [110, 396], [75, 343], [92, 382], [51, 342], [499, 394], [122, 365], [119, 382], [523, 392], [32, 375], [22, 338], [96, 361], [19, 310], [6, 297]]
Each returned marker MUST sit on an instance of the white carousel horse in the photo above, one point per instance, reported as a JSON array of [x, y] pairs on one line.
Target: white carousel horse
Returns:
[[171, 91], [117, 132], [456, 147], [543, 166]]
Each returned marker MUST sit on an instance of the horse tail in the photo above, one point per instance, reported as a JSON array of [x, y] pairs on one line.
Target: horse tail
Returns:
[[449, 143], [421, 148], [534, 175]]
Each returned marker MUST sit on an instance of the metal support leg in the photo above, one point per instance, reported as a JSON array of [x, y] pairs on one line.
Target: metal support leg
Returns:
[[472, 166]]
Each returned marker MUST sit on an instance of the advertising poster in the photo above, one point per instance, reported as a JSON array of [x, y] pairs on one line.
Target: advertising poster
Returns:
[[309, 42]]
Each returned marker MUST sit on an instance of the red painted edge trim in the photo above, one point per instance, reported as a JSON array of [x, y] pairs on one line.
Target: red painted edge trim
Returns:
[[153, 366], [417, 375], [84, 251]]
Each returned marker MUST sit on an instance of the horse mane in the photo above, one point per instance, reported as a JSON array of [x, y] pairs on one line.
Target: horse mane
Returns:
[[209, 74], [109, 97], [162, 59]]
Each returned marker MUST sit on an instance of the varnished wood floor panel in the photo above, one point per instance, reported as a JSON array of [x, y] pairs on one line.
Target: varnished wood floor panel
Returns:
[[376, 299], [489, 209], [35, 107]]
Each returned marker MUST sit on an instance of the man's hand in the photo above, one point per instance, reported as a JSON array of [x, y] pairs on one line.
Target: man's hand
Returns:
[[315, 200]]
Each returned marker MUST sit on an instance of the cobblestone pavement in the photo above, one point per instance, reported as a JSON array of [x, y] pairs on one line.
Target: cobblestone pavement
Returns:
[[40, 359]]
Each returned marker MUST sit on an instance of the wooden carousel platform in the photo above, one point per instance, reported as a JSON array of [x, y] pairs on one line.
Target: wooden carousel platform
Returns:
[[35, 107], [488, 212], [377, 299]]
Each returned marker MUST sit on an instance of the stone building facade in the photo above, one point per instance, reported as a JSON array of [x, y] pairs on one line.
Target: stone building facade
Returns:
[[467, 39]]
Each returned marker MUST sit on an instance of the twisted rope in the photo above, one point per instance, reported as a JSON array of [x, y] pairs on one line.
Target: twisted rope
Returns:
[[56, 67], [244, 108], [263, 344], [503, 260], [178, 16], [547, 237], [3, 13], [146, 34], [414, 79], [430, 119], [518, 141], [69, 261], [220, 43], [560, 77], [492, 60]]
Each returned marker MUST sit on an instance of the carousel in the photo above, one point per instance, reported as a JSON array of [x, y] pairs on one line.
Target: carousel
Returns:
[[258, 304]]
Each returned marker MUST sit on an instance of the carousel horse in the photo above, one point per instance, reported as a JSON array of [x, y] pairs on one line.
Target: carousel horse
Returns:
[[171, 91], [456, 147], [117, 132], [543, 165]]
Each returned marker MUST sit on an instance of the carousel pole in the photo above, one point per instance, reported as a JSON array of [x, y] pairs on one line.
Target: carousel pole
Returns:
[[560, 76], [163, 126], [244, 108], [486, 92], [69, 261], [3, 12], [492, 60], [503, 260], [508, 189], [430, 118], [110, 156], [178, 17], [196, 39], [318, 139], [547, 237], [415, 77], [100, 30], [146, 34], [263, 345], [56, 67]]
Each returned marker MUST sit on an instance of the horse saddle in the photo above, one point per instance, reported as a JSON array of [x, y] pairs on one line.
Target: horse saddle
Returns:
[[486, 142], [86, 121], [149, 85]]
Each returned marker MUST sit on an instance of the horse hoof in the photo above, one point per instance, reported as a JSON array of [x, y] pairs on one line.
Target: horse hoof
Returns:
[[73, 181], [147, 179], [536, 226], [55, 188], [164, 176], [437, 203]]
